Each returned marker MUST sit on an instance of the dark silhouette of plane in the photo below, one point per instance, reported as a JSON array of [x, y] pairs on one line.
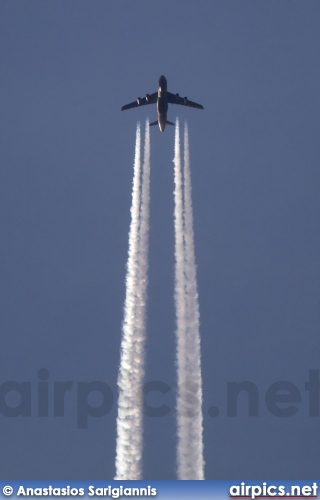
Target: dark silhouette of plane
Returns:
[[162, 98]]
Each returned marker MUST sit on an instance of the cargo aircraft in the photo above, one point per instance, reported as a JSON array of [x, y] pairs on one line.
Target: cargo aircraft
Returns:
[[162, 98]]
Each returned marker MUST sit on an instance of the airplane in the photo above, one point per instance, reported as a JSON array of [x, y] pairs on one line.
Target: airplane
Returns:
[[162, 98]]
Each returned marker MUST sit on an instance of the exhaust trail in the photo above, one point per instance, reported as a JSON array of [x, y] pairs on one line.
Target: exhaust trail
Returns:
[[189, 404], [179, 293], [196, 462], [131, 370]]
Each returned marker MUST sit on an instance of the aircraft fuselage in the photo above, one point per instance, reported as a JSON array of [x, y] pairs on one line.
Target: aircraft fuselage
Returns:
[[162, 103]]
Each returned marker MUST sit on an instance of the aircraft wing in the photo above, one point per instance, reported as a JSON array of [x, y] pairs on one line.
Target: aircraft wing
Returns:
[[184, 101], [149, 99]]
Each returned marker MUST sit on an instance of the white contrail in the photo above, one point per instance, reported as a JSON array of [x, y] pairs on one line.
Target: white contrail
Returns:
[[196, 463], [180, 301], [189, 405], [131, 371]]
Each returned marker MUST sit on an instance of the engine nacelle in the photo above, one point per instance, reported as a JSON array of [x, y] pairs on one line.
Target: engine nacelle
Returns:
[[185, 100], [147, 97], [139, 101], [177, 97]]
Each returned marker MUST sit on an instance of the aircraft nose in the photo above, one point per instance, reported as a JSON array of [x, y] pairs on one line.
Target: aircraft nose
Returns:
[[162, 81]]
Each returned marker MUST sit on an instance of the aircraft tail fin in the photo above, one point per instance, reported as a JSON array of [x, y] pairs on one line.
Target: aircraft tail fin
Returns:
[[154, 123], [170, 123]]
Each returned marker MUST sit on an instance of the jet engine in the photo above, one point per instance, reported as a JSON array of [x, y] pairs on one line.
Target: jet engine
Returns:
[[147, 97], [139, 101], [185, 100]]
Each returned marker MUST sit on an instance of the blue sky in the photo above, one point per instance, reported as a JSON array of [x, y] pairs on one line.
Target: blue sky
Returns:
[[66, 160]]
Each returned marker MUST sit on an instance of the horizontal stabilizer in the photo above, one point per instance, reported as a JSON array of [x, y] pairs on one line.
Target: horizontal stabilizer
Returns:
[[170, 123], [154, 123]]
